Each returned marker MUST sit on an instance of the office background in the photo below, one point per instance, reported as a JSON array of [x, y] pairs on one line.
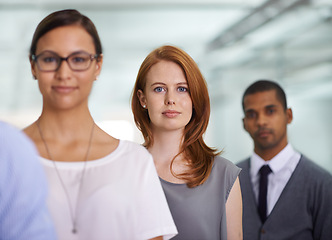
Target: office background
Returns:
[[234, 42]]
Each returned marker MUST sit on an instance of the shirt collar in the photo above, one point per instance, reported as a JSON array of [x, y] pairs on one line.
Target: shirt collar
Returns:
[[276, 163]]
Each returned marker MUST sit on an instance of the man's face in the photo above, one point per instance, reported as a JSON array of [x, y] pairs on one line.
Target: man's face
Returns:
[[266, 121]]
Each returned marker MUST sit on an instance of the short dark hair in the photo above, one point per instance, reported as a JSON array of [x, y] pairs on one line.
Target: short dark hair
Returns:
[[266, 85], [65, 18]]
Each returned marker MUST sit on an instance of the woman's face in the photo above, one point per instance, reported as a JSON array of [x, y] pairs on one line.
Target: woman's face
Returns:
[[166, 97], [65, 88]]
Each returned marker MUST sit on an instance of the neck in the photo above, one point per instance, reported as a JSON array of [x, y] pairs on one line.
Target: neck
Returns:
[[166, 145], [269, 153], [65, 125]]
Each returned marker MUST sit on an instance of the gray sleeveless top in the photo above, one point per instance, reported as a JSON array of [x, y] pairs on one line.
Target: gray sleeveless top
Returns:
[[199, 213]]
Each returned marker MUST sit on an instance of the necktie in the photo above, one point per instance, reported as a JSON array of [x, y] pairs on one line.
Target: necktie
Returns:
[[264, 172]]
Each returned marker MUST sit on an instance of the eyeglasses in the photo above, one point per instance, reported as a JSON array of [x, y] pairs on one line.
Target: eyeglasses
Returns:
[[49, 61]]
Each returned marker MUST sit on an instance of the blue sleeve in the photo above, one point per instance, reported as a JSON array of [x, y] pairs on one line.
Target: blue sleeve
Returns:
[[23, 190]]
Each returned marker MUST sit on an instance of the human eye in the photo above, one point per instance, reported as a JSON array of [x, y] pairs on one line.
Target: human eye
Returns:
[[250, 115], [47, 58], [182, 89], [79, 58], [270, 111], [158, 89]]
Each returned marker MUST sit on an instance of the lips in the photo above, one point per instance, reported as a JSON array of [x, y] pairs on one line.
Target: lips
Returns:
[[171, 113], [263, 133], [64, 89]]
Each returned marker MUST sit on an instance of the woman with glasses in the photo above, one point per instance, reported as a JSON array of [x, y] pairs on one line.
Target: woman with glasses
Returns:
[[171, 108], [100, 187]]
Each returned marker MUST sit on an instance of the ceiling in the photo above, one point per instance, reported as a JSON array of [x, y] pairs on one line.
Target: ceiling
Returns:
[[234, 42]]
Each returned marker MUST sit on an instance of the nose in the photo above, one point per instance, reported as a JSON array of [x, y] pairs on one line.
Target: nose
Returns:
[[169, 99], [170, 102], [63, 70], [261, 120]]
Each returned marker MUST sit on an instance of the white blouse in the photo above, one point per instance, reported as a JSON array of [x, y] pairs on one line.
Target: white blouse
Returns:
[[120, 198]]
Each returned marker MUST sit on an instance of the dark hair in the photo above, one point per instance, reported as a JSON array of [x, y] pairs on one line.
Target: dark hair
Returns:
[[193, 145], [65, 18], [266, 85]]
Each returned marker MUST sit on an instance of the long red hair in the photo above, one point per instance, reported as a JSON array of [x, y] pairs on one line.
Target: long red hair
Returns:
[[200, 155]]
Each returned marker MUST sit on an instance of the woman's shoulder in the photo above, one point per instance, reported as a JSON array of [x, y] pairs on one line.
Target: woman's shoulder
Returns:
[[133, 146], [225, 165], [219, 160], [119, 145], [133, 149], [226, 173]]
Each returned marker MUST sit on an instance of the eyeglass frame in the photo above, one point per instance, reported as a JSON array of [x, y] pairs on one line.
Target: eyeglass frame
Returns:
[[92, 57]]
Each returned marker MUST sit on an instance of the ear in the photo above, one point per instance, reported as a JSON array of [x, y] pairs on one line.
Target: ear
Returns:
[[33, 69], [99, 64], [244, 124], [289, 115], [141, 98]]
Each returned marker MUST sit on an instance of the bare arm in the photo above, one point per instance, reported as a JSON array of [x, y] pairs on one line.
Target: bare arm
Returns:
[[157, 238], [234, 213]]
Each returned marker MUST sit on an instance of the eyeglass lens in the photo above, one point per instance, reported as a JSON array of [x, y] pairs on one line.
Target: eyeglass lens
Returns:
[[49, 61]]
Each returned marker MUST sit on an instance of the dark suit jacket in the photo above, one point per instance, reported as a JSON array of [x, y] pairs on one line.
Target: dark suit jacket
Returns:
[[303, 211]]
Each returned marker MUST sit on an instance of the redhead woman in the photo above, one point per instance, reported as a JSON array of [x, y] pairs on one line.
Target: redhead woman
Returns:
[[171, 108], [100, 187]]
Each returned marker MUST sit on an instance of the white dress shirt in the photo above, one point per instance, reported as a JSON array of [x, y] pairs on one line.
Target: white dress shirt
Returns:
[[282, 166]]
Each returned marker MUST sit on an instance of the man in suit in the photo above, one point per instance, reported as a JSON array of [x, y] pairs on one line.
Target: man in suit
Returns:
[[285, 195]]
